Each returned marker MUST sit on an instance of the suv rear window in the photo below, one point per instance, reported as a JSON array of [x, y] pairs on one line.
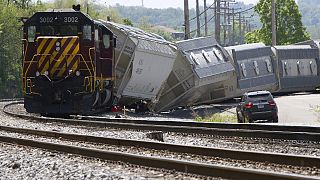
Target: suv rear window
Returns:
[[259, 96]]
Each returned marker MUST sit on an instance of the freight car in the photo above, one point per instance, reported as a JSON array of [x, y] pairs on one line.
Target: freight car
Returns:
[[68, 63]]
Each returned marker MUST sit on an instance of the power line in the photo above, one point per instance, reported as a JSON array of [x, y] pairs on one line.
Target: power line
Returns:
[[202, 12], [245, 10], [203, 24]]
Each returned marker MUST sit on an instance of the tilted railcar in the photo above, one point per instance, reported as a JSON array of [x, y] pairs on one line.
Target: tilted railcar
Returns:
[[297, 67], [68, 65]]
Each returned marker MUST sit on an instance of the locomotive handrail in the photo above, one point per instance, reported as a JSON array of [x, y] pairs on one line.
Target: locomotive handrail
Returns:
[[24, 58], [94, 82], [25, 74]]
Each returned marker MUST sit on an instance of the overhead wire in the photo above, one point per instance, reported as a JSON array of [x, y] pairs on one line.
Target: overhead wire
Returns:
[[202, 12]]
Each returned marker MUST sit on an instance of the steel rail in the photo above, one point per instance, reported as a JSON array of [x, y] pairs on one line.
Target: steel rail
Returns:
[[273, 127], [13, 99], [156, 162], [251, 133], [265, 127], [277, 158]]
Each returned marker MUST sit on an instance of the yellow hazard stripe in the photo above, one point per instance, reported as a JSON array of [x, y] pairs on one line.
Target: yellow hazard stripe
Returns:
[[66, 50], [48, 49], [43, 42], [75, 51], [59, 58]]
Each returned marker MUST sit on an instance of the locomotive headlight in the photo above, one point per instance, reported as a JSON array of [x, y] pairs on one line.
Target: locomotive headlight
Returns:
[[57, 48], [70, 71], [37, 73], [46, 73], [78, 73]]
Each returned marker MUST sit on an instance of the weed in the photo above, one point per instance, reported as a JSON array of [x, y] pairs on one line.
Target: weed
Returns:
[[218, 117]]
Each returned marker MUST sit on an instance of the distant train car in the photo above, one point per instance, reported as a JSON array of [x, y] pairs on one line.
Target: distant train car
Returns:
[[68, 63], [297, 67], [254, 66]]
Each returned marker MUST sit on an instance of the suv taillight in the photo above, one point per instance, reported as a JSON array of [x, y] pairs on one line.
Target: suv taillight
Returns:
[[272, 103], [248, 105]]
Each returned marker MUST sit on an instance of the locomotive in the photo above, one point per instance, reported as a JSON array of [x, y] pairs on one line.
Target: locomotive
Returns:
[[68, 63]]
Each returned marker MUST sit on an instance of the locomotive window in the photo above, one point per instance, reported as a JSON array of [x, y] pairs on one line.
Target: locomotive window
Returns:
[[87, 32], [47, 30], [106, 41], [31, 33], [96, 35], [69, 30]]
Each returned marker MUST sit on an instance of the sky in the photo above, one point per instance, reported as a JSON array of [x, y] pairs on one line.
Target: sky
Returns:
[[162, 3]]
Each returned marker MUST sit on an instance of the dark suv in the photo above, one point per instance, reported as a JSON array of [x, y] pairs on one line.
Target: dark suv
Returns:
[[258, 105]]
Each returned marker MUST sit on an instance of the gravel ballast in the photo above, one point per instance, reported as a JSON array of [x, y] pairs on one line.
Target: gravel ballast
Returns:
[[307, 148], [313, 171], [253, 144], [18, 162]]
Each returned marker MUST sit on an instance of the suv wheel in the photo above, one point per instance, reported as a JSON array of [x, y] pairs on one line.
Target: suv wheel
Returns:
[[275, 120]]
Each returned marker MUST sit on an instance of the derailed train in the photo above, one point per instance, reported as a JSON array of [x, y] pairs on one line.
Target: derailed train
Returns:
[[73, 64]]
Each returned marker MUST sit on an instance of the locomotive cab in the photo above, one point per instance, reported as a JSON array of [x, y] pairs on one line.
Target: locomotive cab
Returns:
[[68, 65]]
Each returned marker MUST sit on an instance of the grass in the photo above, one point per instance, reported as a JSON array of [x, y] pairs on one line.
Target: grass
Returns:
[[218, 117], [317, 109]]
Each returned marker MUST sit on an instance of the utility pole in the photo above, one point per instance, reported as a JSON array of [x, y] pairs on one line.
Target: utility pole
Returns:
[[233, 27], [217, 22], [205, 18], [87, 7], [244, 28], [240, 33], [198, 18], [273, 23], [229, 23], [186, 20], [225, 23]]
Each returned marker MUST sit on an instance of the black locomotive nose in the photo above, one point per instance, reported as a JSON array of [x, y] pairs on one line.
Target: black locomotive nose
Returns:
[[57, 96]]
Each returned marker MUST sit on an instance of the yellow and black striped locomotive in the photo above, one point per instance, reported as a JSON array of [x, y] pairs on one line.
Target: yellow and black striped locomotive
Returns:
[[68, 63]]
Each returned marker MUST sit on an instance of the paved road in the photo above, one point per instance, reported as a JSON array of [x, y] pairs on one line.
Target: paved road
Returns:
[[299, 109]]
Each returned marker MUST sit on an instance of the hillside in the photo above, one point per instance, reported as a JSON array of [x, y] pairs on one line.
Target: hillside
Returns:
[[310, 10]]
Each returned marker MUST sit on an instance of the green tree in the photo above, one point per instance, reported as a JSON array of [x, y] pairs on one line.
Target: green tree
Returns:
[[127, 22], [288, 19], [10, 48]]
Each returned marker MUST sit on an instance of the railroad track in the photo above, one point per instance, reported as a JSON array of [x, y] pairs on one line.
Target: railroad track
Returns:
[[229, 130], [193, 167]]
